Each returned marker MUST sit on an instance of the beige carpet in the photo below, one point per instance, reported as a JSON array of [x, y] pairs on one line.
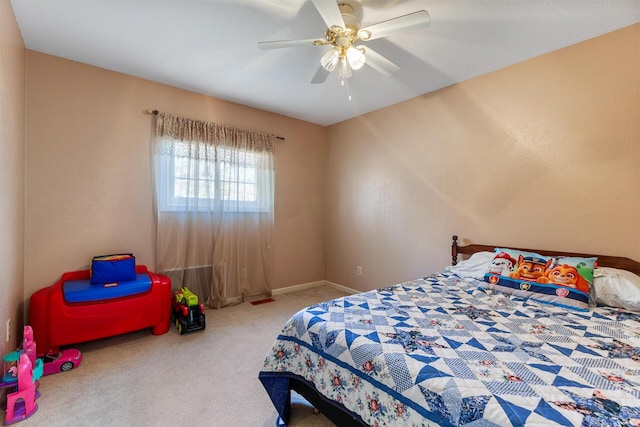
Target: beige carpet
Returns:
[[206, 378]]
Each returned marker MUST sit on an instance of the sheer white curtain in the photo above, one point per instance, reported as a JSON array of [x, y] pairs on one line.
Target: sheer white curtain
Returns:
[[214, 208]]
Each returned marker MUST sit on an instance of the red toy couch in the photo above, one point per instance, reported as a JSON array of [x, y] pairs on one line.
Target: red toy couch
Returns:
[[56, 321]]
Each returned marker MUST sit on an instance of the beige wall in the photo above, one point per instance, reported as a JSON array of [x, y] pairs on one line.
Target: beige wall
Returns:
[[12, 155], [543, 154], [88, 173]]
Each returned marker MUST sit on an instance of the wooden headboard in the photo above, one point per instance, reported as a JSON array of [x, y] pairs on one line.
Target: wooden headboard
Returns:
[[603, 260]]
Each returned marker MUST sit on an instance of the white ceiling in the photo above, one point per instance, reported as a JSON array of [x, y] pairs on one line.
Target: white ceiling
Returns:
[[210, 46]]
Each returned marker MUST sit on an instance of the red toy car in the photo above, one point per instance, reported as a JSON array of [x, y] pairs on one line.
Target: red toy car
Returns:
[[62, 361]]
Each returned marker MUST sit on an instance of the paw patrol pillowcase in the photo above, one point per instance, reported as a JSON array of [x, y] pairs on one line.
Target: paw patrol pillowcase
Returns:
[[562, 281]]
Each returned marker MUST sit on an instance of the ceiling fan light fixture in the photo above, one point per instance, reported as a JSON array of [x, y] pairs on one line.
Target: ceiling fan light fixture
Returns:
[[344, 69], [356, 57], [343, 19], [330, 59]]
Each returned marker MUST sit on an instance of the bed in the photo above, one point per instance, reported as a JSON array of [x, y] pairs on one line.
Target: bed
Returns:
[[449, 350]]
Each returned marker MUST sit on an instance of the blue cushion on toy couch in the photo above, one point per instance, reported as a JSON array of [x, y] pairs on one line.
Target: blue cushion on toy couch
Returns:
[[84, 291]]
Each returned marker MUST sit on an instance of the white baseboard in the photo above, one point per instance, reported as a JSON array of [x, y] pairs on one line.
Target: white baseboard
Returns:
[[313, 285], [342, 288]]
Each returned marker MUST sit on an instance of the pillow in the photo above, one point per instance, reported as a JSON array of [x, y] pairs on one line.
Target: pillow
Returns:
[[562, 281], [584, 268], [474, 267], [502, 264], [516, 252], [617, 288]]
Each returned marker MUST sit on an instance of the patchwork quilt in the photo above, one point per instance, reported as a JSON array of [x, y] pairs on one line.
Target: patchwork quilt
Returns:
[[444, 351]]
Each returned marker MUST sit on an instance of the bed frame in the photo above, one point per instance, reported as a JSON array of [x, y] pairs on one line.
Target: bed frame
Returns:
[[341, 417]]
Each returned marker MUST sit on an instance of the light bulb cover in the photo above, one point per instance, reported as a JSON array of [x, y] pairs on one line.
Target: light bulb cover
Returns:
[[330, 59], [356, 57]]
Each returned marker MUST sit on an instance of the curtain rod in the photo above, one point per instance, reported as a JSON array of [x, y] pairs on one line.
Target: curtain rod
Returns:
[[155, 112]]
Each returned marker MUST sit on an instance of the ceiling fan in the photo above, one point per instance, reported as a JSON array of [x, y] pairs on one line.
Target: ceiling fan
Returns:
[[343, 31]]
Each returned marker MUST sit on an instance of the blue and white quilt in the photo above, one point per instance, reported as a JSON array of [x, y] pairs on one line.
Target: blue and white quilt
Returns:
[[444, 351]]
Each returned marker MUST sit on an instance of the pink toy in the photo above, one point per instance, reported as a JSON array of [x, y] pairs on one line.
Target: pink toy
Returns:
[[61, 361], [28, 345], [22, 404], [10, 376], [23, 379], [29, 348]]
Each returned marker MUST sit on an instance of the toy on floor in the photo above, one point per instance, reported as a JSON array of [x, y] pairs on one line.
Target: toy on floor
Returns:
[[21, 404], [11, 360], [61, 361], [73, 310], [22, 376], [10, 376], [186, 312]]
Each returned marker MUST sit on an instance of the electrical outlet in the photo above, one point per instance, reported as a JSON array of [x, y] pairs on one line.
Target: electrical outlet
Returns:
[[8, 330], [359, 270]]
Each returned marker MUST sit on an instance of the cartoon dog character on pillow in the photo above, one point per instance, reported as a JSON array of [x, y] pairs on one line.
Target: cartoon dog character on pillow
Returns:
[[565, 275], [530, 268], [502, 264]]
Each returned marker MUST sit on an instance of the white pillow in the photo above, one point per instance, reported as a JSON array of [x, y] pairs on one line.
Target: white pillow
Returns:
[[617, 288], [475, 267]]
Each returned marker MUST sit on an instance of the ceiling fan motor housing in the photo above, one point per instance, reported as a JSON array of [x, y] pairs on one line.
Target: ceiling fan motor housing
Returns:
[[343, 38], [351, 14]]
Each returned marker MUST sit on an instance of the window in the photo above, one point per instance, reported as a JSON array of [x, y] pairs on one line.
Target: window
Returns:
[[209, 178], [213, 201]]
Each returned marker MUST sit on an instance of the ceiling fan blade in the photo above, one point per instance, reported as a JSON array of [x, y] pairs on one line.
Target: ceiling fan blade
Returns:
[[330, 12], [320, 76], [277, 44], [392, 26], [379, 62]]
